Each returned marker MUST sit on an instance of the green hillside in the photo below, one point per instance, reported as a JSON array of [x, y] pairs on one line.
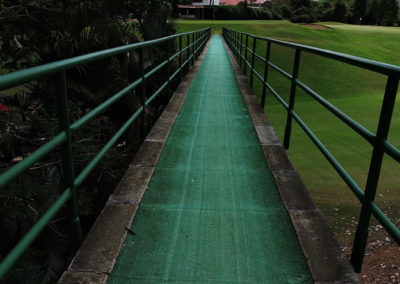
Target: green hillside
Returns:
[[356, 91]]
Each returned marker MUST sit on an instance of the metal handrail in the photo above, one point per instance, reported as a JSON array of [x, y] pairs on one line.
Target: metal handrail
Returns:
[[195, 42], [238, 43]]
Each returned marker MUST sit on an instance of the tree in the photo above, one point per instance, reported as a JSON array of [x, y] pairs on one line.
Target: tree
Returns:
[[35, 32], [359, 10], [211, 5], [339, 11], [390, 13], [296, 4], [374, 13]]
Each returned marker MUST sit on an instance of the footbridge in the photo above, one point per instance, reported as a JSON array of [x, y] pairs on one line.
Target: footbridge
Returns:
[[211, 196]]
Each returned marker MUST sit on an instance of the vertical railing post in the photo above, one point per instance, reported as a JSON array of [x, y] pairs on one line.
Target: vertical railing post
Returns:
[[192, 50], [180, 58], [266, 67], [226, 36], [168, 68], [143, 93], [232, 41], [245, 54], [188, 51], [203, 37], [236, 44], [232, 35], [196, 44], [67, 160], [195, 47], [288, 128], [361, 236], [252, 62], [241, 48], [199, 43]]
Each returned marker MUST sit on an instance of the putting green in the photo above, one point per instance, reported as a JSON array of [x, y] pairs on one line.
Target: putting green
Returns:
[[212, 212]]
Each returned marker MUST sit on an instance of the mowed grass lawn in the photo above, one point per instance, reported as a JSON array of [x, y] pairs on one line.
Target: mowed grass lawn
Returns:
[[355, 91]]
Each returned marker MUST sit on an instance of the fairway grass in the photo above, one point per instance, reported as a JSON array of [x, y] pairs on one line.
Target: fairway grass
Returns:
[[355, 91]]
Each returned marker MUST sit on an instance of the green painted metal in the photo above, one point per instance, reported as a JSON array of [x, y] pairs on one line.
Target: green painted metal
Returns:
[[241, 48], [30, 237], [363, 132], [67, 160], [20, 77], [245, 55], [360, 240], [63, 139], [212, 212], [252, 61], [180, 59], [288, 129], [267, 57], [378, 141], [143, 92], [26, 163]]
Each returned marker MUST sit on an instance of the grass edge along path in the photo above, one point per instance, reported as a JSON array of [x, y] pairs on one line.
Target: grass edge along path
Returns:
[[212, 212]]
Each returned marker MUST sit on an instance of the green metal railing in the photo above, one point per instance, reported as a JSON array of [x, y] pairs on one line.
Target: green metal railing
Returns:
[[194, 41], [238, 43]]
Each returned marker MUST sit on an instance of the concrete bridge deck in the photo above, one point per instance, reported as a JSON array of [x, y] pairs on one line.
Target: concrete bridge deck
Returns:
[[219, 199]]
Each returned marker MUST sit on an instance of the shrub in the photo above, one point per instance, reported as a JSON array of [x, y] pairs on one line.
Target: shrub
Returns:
[[302, 15], [340, 11], [240, 12], [285, 12]]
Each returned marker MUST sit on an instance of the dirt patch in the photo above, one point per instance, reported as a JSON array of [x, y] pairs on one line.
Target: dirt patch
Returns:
[[318, 27], [381, 265], [382, 254]]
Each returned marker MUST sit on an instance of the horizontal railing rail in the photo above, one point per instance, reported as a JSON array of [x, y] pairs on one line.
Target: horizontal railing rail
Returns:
[[195, 42], [238, 42]]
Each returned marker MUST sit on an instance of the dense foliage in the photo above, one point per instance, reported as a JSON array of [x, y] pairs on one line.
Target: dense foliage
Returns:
[[375, 12], [372, 12], [35, 32]]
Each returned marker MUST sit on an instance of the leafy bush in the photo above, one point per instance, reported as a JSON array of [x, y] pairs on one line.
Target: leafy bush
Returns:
[[241, 12], [340, 11], [38, 32], [376, 12], [302, 15], [285, 11]]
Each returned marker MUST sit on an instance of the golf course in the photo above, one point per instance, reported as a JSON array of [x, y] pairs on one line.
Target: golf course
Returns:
[[355, 91]]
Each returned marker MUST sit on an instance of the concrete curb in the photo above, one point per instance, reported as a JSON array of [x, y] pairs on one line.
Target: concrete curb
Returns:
[[97, 255], [324, 256]]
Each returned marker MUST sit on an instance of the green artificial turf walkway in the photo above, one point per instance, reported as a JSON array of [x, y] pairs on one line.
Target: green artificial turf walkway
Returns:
[[212, 212]]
